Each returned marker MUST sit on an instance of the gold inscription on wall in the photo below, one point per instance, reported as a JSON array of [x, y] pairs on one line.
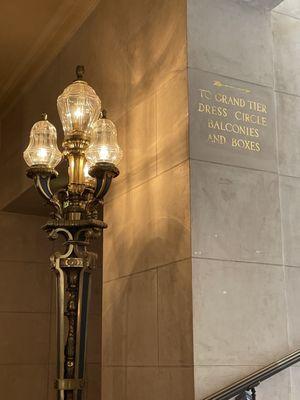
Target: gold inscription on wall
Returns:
[[233, 116]]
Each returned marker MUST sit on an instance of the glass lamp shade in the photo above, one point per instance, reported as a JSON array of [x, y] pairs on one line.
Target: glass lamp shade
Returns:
[[104, 143], [78, 107], [42, 149], [89, 180]]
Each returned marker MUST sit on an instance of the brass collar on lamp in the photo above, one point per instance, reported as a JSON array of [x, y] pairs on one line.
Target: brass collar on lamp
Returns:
[[92, 152]]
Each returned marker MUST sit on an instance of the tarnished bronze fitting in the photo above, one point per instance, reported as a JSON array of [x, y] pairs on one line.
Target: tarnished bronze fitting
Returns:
[[99, 169], [76, 175], [41, 170], [75, 205], [74, 208], [74, 151], [89, 189], [78, 141]]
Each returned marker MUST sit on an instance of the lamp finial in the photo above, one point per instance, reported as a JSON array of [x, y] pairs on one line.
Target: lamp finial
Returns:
[[79, 72]]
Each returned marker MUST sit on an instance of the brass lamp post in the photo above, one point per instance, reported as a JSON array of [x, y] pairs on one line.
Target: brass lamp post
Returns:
[[92, 153]]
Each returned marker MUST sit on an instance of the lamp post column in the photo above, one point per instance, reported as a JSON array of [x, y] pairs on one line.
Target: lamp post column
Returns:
[[73, 281], [91, 149]]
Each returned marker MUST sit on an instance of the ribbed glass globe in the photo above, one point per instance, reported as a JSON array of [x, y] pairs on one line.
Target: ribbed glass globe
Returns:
[[42, 149], [78, 107], [104, 143]]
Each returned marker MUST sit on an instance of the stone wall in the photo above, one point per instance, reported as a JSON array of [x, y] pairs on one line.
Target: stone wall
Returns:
[[135, 58], [25, 308], [147, 314], [244, 200], [286, 29], [201, 255]]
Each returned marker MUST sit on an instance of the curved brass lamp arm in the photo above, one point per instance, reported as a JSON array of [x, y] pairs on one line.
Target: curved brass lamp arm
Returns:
[[104, 173], [42, 184], [42, 177]]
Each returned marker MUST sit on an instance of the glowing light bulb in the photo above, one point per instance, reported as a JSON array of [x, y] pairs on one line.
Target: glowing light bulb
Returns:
[[42, 154], [78, 113], [104, 153]]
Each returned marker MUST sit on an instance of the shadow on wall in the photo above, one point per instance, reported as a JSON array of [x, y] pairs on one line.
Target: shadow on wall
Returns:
[[149, 226]]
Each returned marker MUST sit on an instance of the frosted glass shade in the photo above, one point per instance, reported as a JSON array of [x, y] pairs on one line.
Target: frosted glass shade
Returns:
[[78, 107], [104, 143], [42, 149]]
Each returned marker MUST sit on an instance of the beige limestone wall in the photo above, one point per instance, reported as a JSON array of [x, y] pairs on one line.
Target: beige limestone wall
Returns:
[[147, 315], [171, 325], [245, 207], [286, 30], [135, 58], [25, 308]]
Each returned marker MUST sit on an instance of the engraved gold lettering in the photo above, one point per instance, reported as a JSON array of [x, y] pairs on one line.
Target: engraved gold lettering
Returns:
[[233, 120], [205, 94], [245, 144], [259, 107], [211, 124], [230, 100], [213, 110], [219, 139], [251, 118], [233, 128]]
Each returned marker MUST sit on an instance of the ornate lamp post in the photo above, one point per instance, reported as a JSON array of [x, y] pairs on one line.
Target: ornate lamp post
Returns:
[[92, 152]]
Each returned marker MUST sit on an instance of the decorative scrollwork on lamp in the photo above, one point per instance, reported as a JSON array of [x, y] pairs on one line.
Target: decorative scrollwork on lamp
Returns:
[[92, 152]]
